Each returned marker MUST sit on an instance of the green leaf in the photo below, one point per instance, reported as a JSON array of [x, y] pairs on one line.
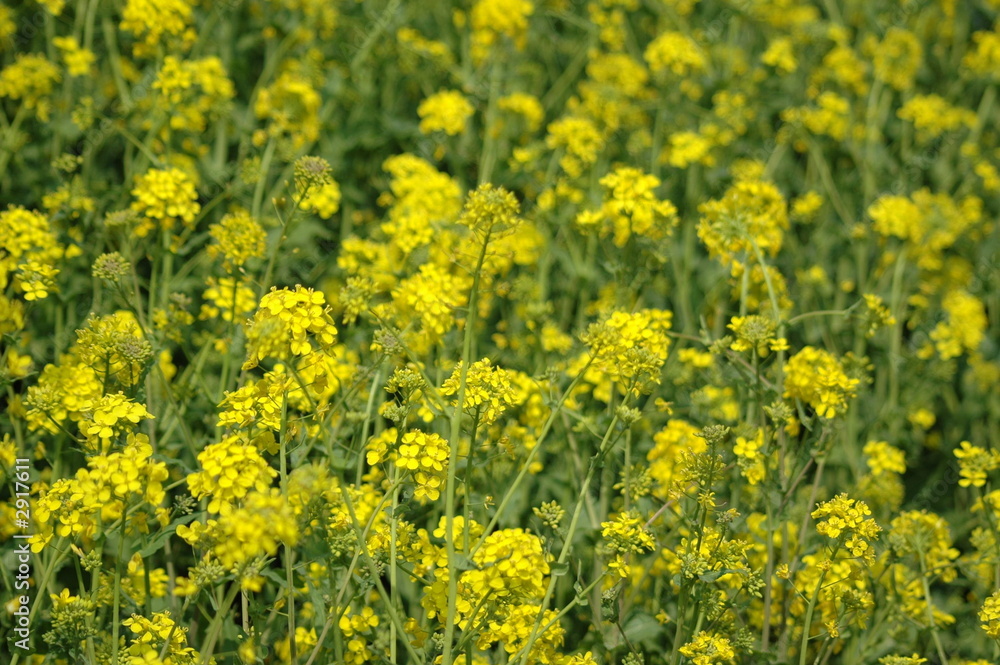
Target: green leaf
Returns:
[[156, 543]]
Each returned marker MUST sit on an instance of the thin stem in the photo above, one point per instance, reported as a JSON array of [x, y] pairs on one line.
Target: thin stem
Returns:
[[456, 432], [808, 621], [605, 446], [930, 611], [118, 588]]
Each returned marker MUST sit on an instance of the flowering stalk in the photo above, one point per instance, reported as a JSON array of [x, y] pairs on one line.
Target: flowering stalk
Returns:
[[930, 610], [606, 443], [804, 644], [375, 575], [215, 627], [116, 623], [454, 440], [530, 457], [289, 574]]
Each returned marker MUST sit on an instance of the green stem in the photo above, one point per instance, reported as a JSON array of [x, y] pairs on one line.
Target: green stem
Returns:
[[118, 588], [806, 628], [489, 153], [529, 459], [456, 432], [215, 627], [289, 577], [605, 447], [930, 612]]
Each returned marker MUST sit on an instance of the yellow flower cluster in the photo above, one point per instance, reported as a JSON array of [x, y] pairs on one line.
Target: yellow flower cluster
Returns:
[[489, 210], [115, 346], [421, 199], [669, 443], [30, 79], [964, 327], [73, 507], [228, 298], [488, 389], [432, 295], [510, 565], [125, 476], [927, 537], [896, 57], [515, 628], [426, 455], [109, 417], [627, 349], [252, 529], [975, 463], [932, 116], [157, 635], [817, 377], [750, 458], [751, 216], [164, 196], [323, 200], [630, 207], [884, 459], [78, 60], [286, 322], [989, 614], [355, 627], [445, 111], [675, 52], [194, 90], [493, 19], [237, 238], [846, 521], [29, 252], [755, 333], [626, 534], [709, 649], [525, 105], [230, 470], [158, 22], [829, 117], [291, 107], [579, 141]]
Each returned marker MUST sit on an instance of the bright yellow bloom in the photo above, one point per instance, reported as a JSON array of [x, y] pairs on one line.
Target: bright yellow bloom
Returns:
[[285, 323], [164, 196], [709, 649], [989, 614], [446, 111]]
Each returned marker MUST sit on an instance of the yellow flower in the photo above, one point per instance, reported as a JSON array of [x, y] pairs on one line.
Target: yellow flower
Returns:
[[286, 323], [488, 390], [780, 54], [30, 78], [817, 377], [709, 649], [447, 111], [846, 520], [883, 458], [989, 614], [78, 60], [975, 463], [493, 19], [157, 22], [164, 196], [323, 200], [230, 470], [676, 52], [237, 237]]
